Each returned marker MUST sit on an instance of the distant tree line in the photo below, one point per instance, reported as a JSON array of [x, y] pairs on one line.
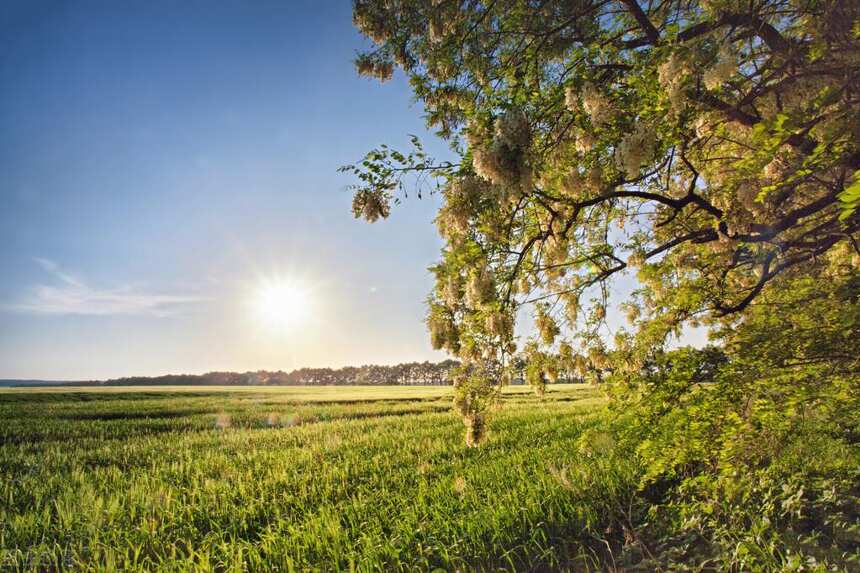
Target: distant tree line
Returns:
[[408, 373]]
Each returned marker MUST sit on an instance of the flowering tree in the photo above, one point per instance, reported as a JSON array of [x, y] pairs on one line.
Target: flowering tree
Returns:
[[709, 146]]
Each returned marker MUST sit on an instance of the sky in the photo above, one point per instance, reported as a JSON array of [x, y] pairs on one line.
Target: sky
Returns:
[[163, 163]]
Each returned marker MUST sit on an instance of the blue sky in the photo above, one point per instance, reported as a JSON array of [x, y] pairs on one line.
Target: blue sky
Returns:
[[159, 160]]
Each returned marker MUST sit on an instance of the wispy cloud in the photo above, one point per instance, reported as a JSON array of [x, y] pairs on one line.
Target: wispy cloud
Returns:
[[72, 296], [54, 269]]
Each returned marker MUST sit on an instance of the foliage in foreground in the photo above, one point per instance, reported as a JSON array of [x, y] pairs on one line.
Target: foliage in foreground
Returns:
[[757, 444]]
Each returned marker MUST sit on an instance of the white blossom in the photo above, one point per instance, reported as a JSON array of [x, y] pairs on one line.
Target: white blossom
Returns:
[[572, 183], [512, 129], [724, 68], [571, 307], [486, 164], [476, 429], [571, 101], [452, 292], [596, 105], [502, 160], [595, 179], [633, 312], [499, 324], [480, 289], [598, 358], [672, 74], [442, 332], [436, 28], [775, 170], [460, 198], [546, 326], [635, 150], [585, 141], [670, 71], [636, 259], [370, 205], [702, 125], [523, 285], [557, 250]]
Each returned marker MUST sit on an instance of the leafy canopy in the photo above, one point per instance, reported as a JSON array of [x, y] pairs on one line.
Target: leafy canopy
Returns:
[[709, 146]]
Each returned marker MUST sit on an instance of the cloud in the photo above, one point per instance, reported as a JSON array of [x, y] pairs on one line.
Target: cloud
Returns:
[[54, 269], [74, 297]]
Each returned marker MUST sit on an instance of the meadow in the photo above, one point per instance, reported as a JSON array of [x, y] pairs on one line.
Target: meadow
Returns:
[[291, 479]]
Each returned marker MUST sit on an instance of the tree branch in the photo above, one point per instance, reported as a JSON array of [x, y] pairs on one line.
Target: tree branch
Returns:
[[642, 19]]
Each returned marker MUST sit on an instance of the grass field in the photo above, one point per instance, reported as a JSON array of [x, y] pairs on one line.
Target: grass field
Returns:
[[336, 478]]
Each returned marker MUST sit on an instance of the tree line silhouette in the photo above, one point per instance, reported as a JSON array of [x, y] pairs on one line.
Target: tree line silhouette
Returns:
[[408, 373]]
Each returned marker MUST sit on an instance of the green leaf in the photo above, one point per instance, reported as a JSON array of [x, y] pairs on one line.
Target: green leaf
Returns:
[[850, 198]]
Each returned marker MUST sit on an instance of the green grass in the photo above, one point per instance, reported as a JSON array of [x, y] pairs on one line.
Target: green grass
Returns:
[[297, 479]]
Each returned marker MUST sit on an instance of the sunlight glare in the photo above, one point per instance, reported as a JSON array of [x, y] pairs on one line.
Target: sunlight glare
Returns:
[[283, 303]]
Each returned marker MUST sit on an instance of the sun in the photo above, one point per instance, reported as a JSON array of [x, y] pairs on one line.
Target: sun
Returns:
[[282, 303]]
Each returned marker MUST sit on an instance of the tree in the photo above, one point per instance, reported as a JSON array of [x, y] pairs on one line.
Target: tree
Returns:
[[710, 146]]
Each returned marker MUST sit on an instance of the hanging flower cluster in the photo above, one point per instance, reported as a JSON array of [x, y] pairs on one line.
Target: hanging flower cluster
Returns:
[[504, 161], [585, 141], [546, 325], [436, 29], [480, 289], [461, 202], [598, 357], [724, 68], [632, 311], [443, 331], [476, 428], [500, 324], [571, 307], [370, 205], [535, 375], [475, 388], [571, 99], [374, 67], [573, 183], [672, 74], [596, 105], [635, 150], [452, 291], [703, 125], [778, 168]]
